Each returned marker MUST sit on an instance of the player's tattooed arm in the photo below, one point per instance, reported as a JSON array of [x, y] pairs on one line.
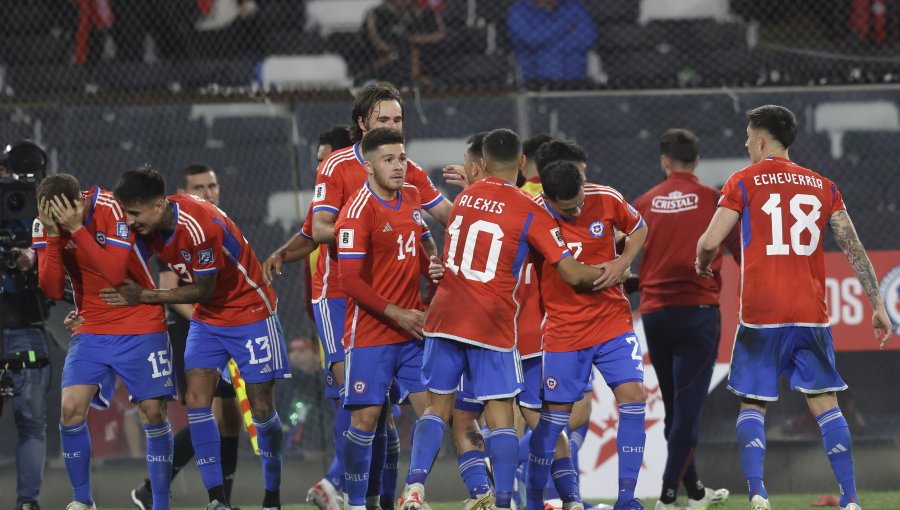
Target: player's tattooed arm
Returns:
[[130, 293], [848, 240]]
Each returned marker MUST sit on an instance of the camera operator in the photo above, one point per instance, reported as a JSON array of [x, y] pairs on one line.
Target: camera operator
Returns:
[[25, 371]]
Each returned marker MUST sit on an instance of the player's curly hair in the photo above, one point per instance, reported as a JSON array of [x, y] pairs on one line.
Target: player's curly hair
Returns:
[[780, 122], [364, 103], [680, 144], [59, 184], [561, 180], [556, 150], [139, 186]]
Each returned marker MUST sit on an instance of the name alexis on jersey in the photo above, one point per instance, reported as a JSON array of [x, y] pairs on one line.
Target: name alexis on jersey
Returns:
[[787, 178], [491, 206]]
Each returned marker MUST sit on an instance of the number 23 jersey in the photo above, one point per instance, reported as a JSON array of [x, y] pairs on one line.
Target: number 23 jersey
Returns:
[[490, 229], [784, 209]]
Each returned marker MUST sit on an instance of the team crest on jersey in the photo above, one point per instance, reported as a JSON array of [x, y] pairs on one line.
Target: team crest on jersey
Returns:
[[557, 235], [345, 238], [122, 230], [417, 216], [205, 256], [319, 193], [890, 290], [596, 229], [551, 383], [329, 379], [37, 228], [186, 255], [360, 387], [101, 238]]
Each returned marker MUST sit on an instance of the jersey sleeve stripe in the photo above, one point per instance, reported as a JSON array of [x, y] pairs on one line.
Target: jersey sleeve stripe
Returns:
[[746, 234], [426, 235], [205, 270], [352, 255], [338, 158], [326, 208], [111, 204], [40, 244], [196, 223], [598, 192], [359, 204], [437, 200], [143, 262], [118, 242], [522, 249], [599, 187], [303, 235], [636, 227], [190, 229]]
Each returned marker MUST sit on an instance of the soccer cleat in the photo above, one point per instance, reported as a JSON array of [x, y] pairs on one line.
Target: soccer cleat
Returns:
[[78, 505], [574, 505], [634, 504], [851, 506], [759, 503], [324, 496], [29, 505], [712, 497], [413, 497], [216, 505], [668, 506], [142, 497], [483, 502]]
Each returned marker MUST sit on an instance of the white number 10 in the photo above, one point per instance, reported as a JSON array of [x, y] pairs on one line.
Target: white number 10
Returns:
[[804, 221]]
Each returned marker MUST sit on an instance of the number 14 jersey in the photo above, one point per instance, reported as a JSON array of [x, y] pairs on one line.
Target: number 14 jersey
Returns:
[[491, 226], [784, 209]]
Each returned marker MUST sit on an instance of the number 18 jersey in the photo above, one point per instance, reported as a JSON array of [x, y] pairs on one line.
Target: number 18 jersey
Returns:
[[491, 226], [784, 209]]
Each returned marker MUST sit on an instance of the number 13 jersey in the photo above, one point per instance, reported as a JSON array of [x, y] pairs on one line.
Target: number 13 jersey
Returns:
[[783, 211], [491, 226]]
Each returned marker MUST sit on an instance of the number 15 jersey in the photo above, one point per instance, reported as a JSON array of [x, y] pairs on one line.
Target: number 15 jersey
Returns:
[[491, 226], [784, 209]]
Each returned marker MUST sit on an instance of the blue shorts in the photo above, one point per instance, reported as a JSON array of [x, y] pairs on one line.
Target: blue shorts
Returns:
[[805, 355], [493, 374], [465, 399], [369, 372], [567, 375], [531, 390], [329, 314], [142, 361], [258, 348]]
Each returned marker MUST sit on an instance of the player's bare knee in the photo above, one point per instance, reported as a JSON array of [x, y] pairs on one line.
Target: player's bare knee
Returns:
[[72, 411], [562, 447], [262, 399], [365, 418], [630, 393], [152, 412]]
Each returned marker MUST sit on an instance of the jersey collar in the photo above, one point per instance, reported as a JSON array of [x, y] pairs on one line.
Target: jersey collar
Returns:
[[687, 176], [497, 180], [175, 213], [386, 204], [358, 154], [552, 211]]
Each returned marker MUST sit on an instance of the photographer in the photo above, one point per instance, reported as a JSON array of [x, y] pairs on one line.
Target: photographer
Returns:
[[25, 372]]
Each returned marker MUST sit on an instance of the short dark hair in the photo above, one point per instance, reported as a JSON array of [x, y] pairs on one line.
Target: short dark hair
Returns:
[[531, 145], [561, 180], [502, 145], [378, 137], [476, 144], [337, 137], [193, 169], [680, 144], [59, 184], [365, 102], [556, 150], [780, 122], [139, 186]]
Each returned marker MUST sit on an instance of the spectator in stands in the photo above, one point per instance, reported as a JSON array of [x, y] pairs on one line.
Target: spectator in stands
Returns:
[[405, 39], [530, 178], [551, 39], [334, 139], [170, 24]]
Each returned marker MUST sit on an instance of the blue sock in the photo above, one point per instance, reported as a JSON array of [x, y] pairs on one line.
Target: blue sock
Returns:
[[160, 444], [751, 436], [335, 473], [576, 439], [76, 445], [542, 446], [836, 439], [207, 445], [473, 472], [566, 480], [505, 455], [357, 462], [269, 438], [524, 448], [341, 424], [427, 438], [379, 454], [391, 468], [630, 440]]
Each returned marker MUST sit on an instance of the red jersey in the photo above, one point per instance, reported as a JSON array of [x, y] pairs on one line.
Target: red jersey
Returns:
[[206, 241], [531, 319], [679, 209], [100, 255], [784, 209], [339, 176], [385, 236], [576, 320], [492, 224]]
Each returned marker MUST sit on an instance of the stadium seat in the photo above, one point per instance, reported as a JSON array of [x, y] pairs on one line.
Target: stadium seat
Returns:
[[252, 130], [48, 79], [337, 15], [641, 69], [606, 11], [132, 76], [38, 48], [100, 166], [612, 38], [303, 71], [864, 142], [293, 42]]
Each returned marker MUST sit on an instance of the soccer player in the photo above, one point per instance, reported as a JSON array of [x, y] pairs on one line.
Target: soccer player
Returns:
[[492, 225], [530, 174], [378, 238], [680, 311], [783, 209], [199, 180], [84, 235], [583, 331], [234, 317]]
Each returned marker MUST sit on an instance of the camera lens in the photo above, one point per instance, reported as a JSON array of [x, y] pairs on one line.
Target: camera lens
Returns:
[[15, 201]]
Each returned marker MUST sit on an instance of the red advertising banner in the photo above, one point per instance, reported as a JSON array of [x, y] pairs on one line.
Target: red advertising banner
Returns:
[[848, 308]]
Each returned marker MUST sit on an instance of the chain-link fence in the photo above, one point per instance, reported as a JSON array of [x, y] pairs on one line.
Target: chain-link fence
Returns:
[[246, 87]]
